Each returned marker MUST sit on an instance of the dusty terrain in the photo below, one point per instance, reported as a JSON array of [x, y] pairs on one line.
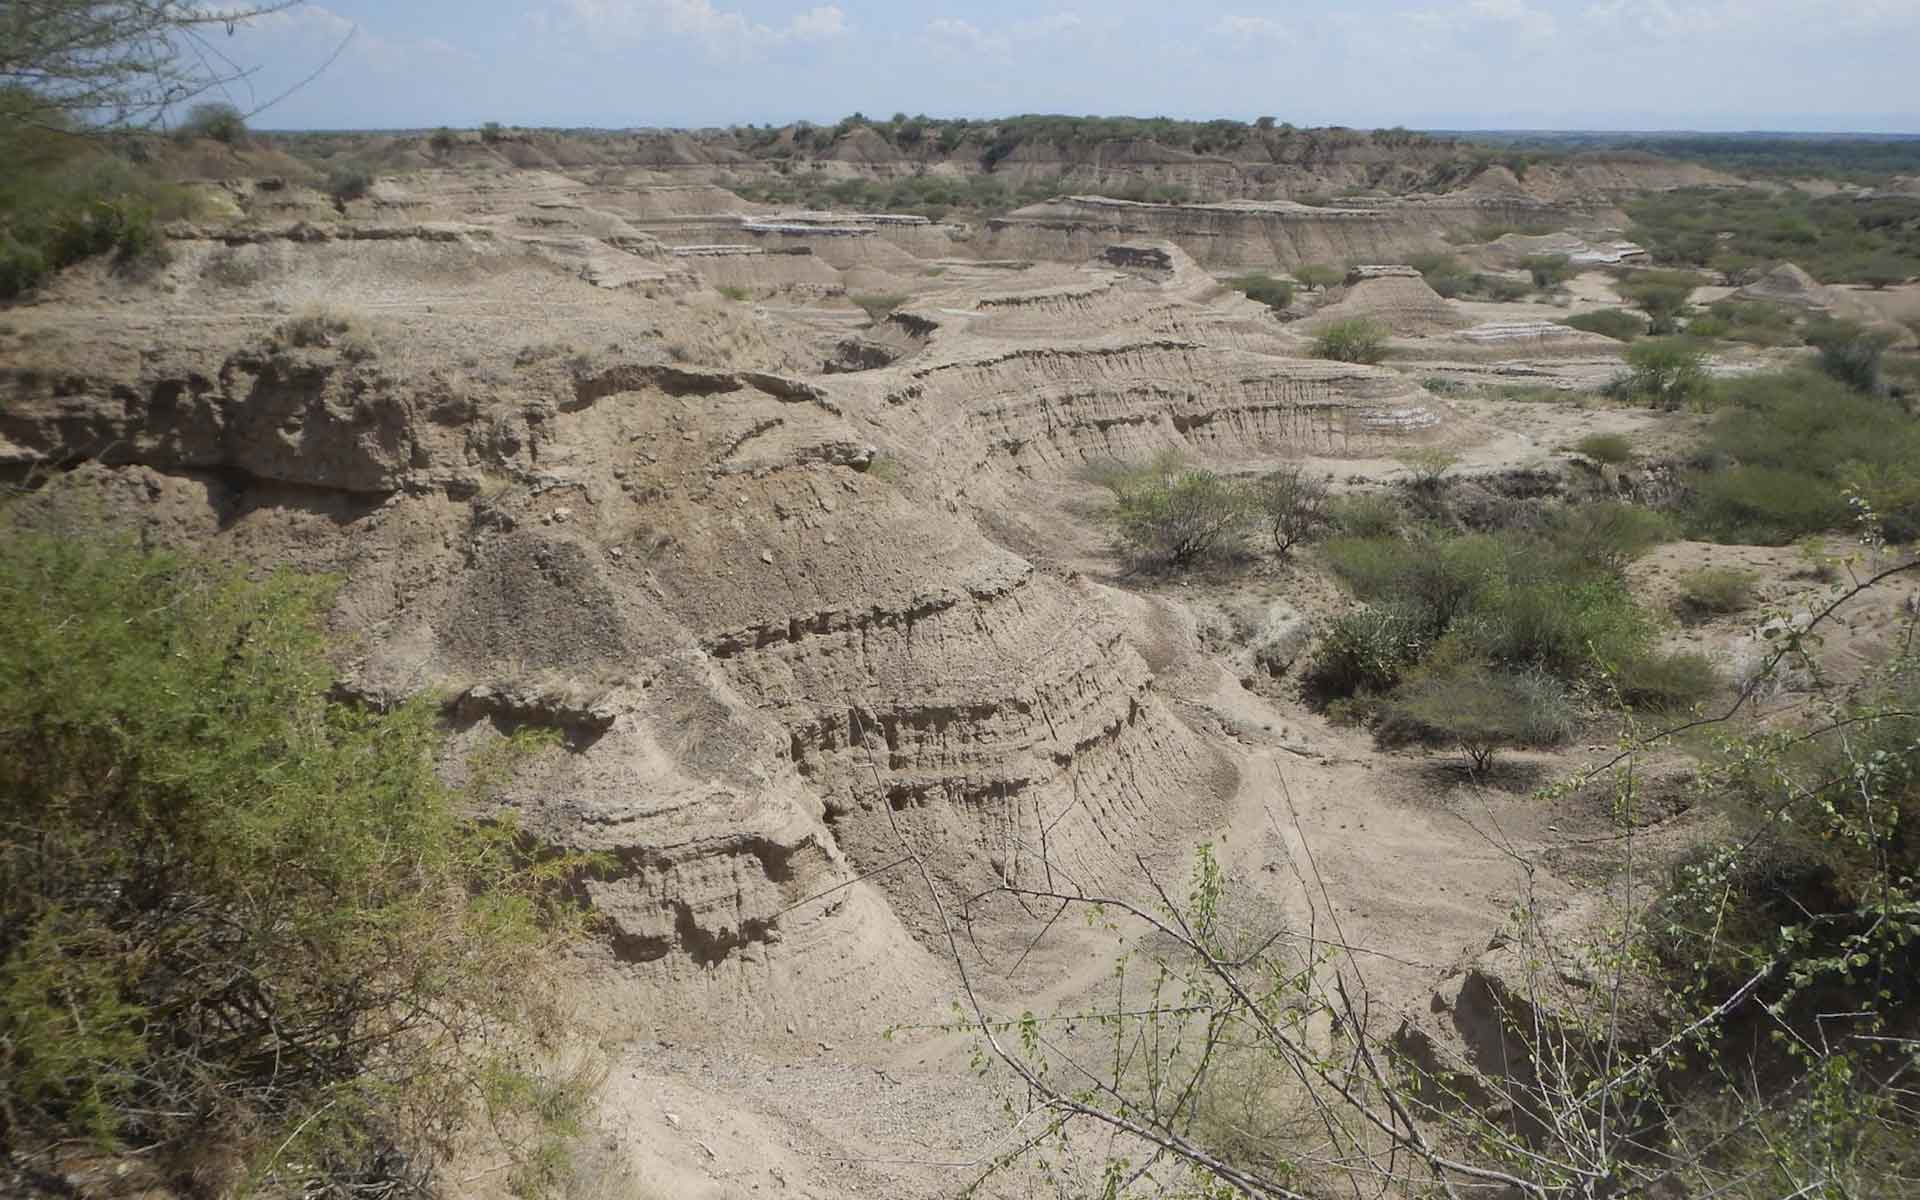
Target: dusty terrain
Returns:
[[814, 596]]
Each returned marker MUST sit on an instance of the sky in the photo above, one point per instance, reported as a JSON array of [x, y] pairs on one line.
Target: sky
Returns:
[[1426, 64]]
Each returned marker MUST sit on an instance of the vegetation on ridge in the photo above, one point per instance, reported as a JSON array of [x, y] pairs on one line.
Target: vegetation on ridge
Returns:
[[244, 927]]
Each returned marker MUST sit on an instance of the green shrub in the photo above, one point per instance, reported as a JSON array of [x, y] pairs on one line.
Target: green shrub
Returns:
[[1850, 352], [1756, 322], [1548, 270], [1666, 372], [1171, 516], [1365, 653], [1838, 238], [1276, 294], [1444, 273], [248, 917], [1502, 290], [1355, 340], [1662, 296], [1365, 515], [349, 183], [1766, 505], [1440, 579], [1816, 869], [1615, 323], [443, 141], [877, 306], [1317, 277], [1794, 444], [1567, 627], [1666, 683], [1609, 534], [1292, 505], [68, 205], [22, 267], [1606, 447], [734, 292], [492, 134], [1882, 272], [1427, 464], [217, 120], [1554, 600], [1716, 591], [1708, 327], [1481, 711]]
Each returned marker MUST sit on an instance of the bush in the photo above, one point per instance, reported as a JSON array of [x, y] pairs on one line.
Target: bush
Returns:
[[1553, 601], [319, 326], [1481, 711], [67, 201], [1716, 591], [349, 183], [734, 292], [219, 121], [1665, 682], [443, 141], [1666, 372], [1839, 237], [1850, 352], [1170, 516], [1502, 290], [1662, 295], [1609, 534], [1276, 294], [1292, 505], [1882, 272], [1445, 274], [1355, 340], [1794, 444], [1568, 628], [248, 919], [1365, 515], [1615, 323], [492, 134], [1318, 276], [1606, 447], [1427, 464], [1365, 653], [877, 307], [1548, 270], [1766, 505]]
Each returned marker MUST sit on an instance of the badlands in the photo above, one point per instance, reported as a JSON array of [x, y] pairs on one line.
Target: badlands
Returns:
[[790, 522]]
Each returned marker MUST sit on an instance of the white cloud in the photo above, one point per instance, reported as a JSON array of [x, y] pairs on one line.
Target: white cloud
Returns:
[[1524, 18], [1251, 29], [1041, 27], [723, 31], [818, 24], [1518, 17], [956, 33], [1765, 19]]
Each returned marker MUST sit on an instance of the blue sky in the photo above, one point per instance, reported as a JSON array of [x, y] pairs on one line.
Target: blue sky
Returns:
[[1594, 64]]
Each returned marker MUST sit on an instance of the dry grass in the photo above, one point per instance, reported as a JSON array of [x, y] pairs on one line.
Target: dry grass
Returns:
[[327, 326]]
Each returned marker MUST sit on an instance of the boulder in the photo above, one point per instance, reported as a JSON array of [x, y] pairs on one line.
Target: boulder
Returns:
[[1283, 636]]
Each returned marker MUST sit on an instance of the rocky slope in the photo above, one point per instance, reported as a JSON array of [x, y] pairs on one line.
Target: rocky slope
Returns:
[[801, 631]]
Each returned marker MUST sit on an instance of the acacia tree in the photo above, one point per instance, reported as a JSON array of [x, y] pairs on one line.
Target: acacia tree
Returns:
[[1293, 506], [118, 64], [1174, 517]]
